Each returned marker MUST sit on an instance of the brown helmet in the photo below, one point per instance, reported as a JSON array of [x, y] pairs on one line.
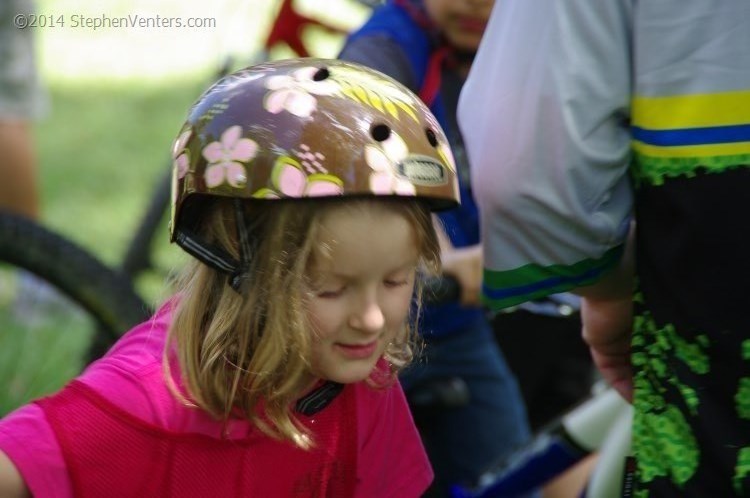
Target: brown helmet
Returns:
[[308, 128]]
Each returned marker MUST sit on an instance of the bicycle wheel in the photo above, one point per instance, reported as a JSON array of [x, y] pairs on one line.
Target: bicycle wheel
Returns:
[[138, 257], [60, 307]]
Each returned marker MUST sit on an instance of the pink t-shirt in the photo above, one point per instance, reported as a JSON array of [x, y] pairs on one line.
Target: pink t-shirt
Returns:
[[391, 460]]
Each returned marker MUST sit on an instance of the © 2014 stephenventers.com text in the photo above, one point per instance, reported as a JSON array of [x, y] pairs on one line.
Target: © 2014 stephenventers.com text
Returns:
[[104, 21]]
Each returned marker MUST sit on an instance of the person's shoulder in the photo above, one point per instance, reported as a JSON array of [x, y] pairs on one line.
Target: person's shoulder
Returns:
[[132, 376], [382, 45], [141, 346], [382, 387], [391, 460], [372, 48]]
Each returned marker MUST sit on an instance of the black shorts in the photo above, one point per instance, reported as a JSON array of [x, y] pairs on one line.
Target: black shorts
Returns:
[[550, 360]]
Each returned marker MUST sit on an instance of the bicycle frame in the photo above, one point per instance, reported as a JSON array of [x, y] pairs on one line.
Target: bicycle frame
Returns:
[[288, 27], [600, 424]]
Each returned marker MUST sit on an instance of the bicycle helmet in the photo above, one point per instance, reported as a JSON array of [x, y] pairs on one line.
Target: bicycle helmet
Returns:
[[302, 128]]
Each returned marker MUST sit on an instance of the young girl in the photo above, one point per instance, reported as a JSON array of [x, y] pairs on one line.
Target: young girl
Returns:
[[304, 189]]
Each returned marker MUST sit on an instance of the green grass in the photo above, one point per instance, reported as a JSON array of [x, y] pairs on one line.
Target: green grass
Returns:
[[101, 153], [40, 360], [38, 351], [117, 99], [101, 150]]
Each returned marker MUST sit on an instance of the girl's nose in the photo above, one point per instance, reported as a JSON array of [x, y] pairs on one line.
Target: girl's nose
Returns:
[[369, 318]]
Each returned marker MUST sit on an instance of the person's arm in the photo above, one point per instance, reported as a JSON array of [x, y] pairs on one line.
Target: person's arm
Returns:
[[11, 482], [545, 118], [607, 316], [31, 460], [544, 115]]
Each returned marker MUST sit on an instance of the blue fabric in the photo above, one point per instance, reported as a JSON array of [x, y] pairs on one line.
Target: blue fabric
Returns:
[[393, 21], [464, 440], [461, 224]]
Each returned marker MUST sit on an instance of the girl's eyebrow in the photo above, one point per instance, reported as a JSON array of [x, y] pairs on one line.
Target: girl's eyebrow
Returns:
[[408, 266]]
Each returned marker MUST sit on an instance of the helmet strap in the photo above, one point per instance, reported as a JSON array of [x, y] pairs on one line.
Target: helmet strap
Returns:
[[219, 259], [214, 257]]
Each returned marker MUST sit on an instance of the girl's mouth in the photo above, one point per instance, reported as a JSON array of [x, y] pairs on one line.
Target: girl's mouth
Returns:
[[357, 351]]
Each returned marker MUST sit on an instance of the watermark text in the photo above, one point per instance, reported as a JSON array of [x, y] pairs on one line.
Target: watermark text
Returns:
[[104, 21]]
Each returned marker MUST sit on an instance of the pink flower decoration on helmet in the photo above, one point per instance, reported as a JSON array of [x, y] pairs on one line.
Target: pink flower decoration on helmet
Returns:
[[289, 179], [226, 156], [294, 93], [383, 160]]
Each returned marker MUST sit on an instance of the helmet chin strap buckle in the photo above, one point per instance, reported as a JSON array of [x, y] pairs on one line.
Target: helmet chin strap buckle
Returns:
[[240, 276], [318, 399], [237, 281]]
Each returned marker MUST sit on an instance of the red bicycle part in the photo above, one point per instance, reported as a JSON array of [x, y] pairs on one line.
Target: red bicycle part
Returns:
[[288, 27]]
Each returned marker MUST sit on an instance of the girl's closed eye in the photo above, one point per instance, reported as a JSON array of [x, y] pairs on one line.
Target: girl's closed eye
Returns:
[[400, 279], [330, 292], [396, 282]]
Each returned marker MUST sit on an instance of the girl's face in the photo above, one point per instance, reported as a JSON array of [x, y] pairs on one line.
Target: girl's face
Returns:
[[363, 275], [462, 22]]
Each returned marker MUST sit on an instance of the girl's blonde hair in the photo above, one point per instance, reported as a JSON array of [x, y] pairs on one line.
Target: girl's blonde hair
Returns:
[[248, 355]]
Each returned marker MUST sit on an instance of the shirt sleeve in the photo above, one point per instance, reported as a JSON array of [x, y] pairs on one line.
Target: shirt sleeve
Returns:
[[27, 438], [545, 119], [392, 462]]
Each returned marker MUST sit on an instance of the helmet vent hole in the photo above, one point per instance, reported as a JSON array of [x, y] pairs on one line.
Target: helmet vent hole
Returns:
[[431, 137], [321, 74], [380, 132]]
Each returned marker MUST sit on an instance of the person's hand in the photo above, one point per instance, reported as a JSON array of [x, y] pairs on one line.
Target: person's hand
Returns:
[[465, 264], [607, 329]]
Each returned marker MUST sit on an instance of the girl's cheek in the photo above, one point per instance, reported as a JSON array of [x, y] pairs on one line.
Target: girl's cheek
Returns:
[[402, 307], [399, 334]]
